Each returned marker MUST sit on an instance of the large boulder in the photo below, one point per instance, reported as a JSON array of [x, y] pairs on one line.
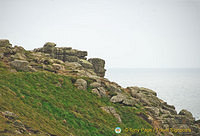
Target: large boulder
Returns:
[[147, 91], [81, 84], [49, 44], [130, 101], [118, 98], [98, 65], [4, 43], [72, 59], [20, 65], [86, 64], [95, 84], [187, 114]]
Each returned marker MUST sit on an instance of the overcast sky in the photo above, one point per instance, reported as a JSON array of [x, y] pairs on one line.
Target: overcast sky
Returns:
[[126, 33]]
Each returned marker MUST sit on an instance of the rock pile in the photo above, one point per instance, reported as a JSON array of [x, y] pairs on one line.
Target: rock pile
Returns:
[[67, 54]]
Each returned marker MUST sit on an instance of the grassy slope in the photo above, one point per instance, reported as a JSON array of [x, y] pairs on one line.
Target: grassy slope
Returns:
[[50, 98]]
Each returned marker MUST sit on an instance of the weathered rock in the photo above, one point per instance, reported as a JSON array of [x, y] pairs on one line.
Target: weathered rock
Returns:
[[95, 84], [113, 88], [96, 91], [58, 61], [9, 115], [147, 91], [130, 101], [73, 65], [133, 90], [72, 59], [98, 65], [111, 110], [187, 114], [102, 91], [5, 43], [58, 66], [170, 108], [19, 49], [86, 64], [49, 44], [182, 119], [1, 55], [19, 56], [118, 98], [154, 111], [81, 84], [20, 65]]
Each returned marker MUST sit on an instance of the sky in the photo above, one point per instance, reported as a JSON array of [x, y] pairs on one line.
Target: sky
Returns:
[[125, 33]]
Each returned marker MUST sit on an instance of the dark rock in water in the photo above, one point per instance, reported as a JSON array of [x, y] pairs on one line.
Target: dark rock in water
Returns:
[[98, 65]]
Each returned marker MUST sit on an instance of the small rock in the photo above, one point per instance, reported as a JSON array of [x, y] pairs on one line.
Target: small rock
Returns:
[[9, 115], [118, 98], [64, 121], [102, 91], [81, 84], [130, 101], [58, 67], [95, 91], [95, 84]]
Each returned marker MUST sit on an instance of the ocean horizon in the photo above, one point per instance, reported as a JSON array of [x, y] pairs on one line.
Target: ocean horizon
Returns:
[[177, 86]]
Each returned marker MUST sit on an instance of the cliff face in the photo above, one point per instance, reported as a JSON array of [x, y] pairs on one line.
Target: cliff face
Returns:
[[87, 76]]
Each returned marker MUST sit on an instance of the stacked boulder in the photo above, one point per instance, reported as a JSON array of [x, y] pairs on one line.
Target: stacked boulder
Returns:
[[67, 54]]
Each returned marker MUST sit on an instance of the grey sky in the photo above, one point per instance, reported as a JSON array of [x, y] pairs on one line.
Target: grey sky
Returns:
[[126, 33]]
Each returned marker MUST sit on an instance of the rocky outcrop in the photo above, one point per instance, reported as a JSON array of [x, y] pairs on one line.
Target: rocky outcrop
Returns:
[[98, 65], [67, 54], [5, 43]]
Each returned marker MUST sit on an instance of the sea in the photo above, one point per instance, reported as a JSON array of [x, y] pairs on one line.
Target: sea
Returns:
[[178, 87]]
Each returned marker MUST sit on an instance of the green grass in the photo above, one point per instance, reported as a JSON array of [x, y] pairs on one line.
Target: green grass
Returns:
[[42, 100]]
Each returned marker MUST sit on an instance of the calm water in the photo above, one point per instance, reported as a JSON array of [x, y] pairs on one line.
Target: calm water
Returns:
[[178, 87]]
